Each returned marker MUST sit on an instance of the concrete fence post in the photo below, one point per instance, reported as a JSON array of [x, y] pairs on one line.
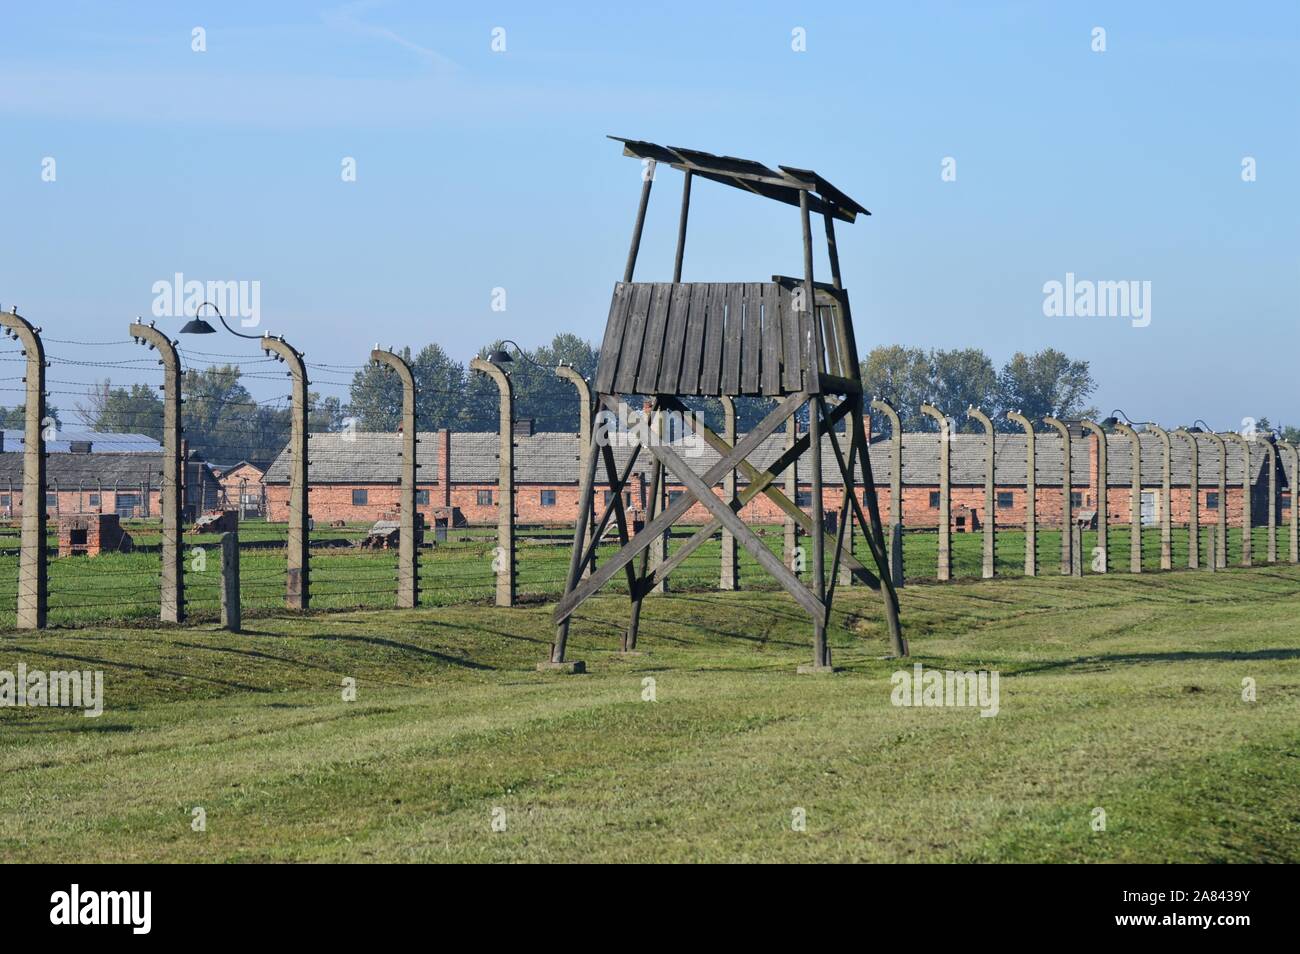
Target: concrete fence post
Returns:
[[1076, 549], [1221, 515], [990, 493], [584, 446], [1067, 495], [1289, 452], [944, 569], [1031, 493], [298, 576], [1246, 517], [33, 581], [730, 569], [172, 609], [1135, 500], [1103, 478], [1166, 501], [1194, 505], [230, 610], [408, 549], [1270, 453], [504, 558], [895, 487]]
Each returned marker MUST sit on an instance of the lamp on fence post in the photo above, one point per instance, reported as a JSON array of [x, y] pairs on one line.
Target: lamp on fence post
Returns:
[[1246, 527], [945, 491], [298, 571], [1194, 505], [504, 557], [33, 582], [1289, 451], [895, 489], [1067, 491], [408, 551], [1135, 501], [1031, 493], [1103, 478], [990, 496], [172, 608], [1220, 555]]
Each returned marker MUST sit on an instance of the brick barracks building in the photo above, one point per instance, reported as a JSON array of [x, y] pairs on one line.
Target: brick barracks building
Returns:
[[354, 478]]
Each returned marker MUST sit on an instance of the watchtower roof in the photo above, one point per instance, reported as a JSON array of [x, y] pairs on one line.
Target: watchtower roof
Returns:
[[784, 183]]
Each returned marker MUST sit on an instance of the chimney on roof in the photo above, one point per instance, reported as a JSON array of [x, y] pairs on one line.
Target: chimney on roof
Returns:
[[79, 447], [524, 427]]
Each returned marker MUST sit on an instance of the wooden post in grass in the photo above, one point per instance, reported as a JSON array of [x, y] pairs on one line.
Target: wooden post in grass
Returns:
[[730, 570], [230, 616], [298, 576], [1031, 493], [408, 550], [504, 557], [990, 497], [33, 582], [1194, 504]]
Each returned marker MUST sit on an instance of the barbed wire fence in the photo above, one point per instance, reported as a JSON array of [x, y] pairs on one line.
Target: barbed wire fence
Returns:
[[354, 504]]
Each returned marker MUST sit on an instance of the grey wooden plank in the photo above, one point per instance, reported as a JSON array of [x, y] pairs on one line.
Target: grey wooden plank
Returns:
[[791, 363], [771, 372], [732, 341], [712, 367], [830, 342], [634, 332], [674, 341], [612, 343], [752, 338], [693, 352], [652, 347]]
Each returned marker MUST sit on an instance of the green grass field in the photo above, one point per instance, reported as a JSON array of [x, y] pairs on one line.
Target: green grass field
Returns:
[[124, 587], [1122, 693]]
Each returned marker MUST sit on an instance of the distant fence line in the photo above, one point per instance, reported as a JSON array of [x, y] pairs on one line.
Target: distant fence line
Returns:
[[32, 596]]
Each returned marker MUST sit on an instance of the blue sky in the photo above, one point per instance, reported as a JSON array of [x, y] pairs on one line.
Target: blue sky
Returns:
[[478, 170]]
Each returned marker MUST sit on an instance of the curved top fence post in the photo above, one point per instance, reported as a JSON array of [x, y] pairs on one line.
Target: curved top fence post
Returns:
[[505, 557], [1101, 558], [1166, 498], [990, 494], [945, 490], [298, 578], [172, 608], [1031, 494], [1194, 501], [1067, 492], [1135, 501], [32, 579], [895, 461], [1246, 516], [408, 581]]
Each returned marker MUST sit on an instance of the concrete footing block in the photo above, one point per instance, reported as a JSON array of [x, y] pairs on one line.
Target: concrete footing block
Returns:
[[573, 667]]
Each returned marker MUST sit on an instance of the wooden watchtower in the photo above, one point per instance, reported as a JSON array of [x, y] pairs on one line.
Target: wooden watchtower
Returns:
[[787, 339]]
